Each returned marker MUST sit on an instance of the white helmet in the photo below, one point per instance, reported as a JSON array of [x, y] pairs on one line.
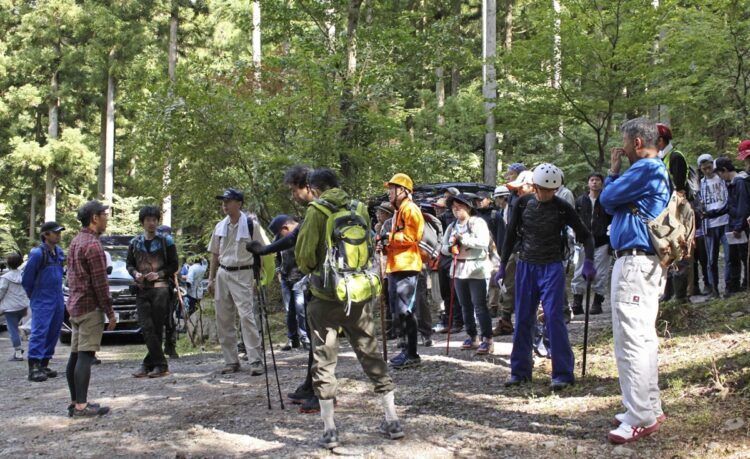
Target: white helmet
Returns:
[[502, 190], [547, 175]]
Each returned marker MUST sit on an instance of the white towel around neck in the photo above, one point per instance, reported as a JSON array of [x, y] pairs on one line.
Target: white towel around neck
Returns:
[[243, 232]]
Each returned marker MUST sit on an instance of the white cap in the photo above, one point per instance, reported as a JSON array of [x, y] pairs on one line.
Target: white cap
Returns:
[[524, 178], [502, 190], [704, 157], [548, 176]]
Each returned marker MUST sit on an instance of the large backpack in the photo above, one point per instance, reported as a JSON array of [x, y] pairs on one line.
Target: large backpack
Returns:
[[348, 269], [672, 231]]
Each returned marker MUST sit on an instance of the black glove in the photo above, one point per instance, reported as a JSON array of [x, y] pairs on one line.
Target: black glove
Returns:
[[254, 247]]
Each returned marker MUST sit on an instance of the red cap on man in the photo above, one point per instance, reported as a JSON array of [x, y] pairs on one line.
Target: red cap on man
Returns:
[[744, 149], [664, 131]]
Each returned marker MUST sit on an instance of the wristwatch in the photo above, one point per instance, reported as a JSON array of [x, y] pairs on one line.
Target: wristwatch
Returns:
[[610, 172]]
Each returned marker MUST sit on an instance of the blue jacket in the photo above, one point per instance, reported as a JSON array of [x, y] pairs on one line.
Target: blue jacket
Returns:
[[43, 285], [645, 184]]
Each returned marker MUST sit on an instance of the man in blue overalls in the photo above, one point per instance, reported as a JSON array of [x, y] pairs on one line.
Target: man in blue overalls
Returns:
[[42, 279]]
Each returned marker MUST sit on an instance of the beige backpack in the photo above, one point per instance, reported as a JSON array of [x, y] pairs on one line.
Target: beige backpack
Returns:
[[672, 231]]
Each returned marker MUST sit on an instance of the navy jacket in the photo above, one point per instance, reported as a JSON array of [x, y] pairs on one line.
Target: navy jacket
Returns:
[[739, 203]]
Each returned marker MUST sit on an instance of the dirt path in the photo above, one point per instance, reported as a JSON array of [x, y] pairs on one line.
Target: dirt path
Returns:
[[453, 406]]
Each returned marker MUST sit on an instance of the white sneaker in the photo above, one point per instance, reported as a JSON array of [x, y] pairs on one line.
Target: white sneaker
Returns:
[[620, 418], [627, 433]]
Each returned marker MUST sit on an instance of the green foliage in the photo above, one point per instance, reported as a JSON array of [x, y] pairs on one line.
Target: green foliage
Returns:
[[217, 125]]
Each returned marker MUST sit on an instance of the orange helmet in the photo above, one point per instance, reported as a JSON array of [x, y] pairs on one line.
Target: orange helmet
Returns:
[[401, 180]]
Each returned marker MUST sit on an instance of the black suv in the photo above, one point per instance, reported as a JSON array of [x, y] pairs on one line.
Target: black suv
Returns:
[[123, 298]]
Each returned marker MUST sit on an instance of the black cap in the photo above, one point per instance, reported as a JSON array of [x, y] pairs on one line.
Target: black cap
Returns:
[[277, 223], [90, 209], [231, 193], [483, 194], [52, 226]]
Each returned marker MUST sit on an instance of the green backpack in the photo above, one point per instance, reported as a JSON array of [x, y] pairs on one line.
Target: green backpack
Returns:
[[347, 271]]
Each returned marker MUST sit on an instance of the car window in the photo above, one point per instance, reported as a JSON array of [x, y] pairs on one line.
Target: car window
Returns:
[[119, 257]]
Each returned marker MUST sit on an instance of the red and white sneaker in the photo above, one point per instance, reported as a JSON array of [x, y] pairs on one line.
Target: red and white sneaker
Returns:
[[626, 433], [620, 418]]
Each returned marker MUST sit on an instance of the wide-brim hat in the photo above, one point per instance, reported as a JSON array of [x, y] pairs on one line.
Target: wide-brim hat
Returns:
[[463, 198]]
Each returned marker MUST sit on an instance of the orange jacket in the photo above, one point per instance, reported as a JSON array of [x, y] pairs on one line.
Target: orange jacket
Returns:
[[403, 242]]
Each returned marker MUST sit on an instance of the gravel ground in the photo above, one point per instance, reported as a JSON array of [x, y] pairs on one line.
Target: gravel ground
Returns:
[[453, 406]]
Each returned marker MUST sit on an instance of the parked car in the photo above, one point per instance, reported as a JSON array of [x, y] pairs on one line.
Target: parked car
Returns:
[[120, 281], [426, 195]]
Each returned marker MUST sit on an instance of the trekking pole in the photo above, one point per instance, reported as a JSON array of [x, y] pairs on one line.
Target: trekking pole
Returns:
[[586, 328], [262, 338], [264, 313], [450, 307], [382, 310]]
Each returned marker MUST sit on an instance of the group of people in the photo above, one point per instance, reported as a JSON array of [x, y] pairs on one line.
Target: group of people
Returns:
[[458, 252]]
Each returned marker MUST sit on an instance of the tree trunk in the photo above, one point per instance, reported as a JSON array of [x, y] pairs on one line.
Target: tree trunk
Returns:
[[32, 215], [172, 73], [455, 71], [109, 146], [489, 88], [256, 44], [440, 93], [508, 36], [350, 88], [102, 149], [557, 68], [50, 188]]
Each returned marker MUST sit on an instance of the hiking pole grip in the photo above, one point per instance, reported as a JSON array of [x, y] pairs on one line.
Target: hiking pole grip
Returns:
[[382, 309], [586, 327]]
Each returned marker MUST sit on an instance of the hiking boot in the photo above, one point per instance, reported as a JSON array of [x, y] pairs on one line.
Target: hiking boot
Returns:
[[312, 405], [72, 407], [577, 304], [142, 372], [96, 361], [470, 343], [556, 386], [256, 368], [403, 360], [620, 418], [486, 347], [292, 343], [44, 365], [514, 381], [158, 372], [241, 351], [36, 373], [627, 433], [426, 341], [456, 329], [440, 328], [17, 356], [305, 341], [301, 394], [391, 429], [91, 410], [230, 368], [568, 313], [596, 307], [330, 439], [504, 327]]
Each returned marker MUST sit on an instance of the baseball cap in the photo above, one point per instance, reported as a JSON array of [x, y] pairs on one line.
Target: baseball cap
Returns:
[[484, 194], [52, 226], [517, 167], [704, 157], [453, 191], [744, 149], [277, 223], [164, 229], [524, 178], [231, 193], [664, 131]]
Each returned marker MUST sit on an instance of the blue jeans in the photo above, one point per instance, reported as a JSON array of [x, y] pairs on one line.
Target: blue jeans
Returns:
[[545, 283], [472, 295], [294, 302], [13, 318]]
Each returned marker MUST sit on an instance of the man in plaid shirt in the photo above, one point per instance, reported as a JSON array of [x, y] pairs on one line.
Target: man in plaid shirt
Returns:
[[88, 301]]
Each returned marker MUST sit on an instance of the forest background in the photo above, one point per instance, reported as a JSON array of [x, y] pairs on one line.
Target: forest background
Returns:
[[168, 102]]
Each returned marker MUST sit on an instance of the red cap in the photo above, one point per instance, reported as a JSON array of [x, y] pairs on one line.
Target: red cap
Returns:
[[744, 149], [664, 131]]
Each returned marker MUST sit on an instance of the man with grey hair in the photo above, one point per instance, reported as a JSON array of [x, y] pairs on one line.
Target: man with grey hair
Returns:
[[641, 193]]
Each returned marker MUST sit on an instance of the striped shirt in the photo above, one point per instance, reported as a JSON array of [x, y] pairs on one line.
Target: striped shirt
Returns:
[[87, 275]]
